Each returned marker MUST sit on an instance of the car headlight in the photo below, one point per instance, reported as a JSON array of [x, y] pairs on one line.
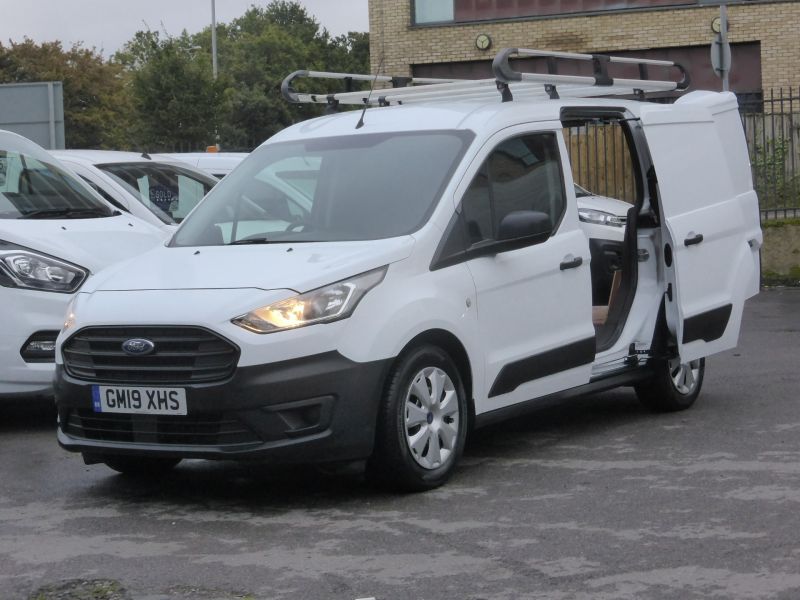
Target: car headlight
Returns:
[[600, 217], [323, 305], [24, 268]]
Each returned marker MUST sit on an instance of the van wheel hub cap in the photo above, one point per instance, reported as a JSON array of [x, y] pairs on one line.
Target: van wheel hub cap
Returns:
[[684, 376], [431, 418]]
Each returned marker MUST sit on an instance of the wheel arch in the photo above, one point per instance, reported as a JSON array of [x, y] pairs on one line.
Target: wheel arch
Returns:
[[448, 342]]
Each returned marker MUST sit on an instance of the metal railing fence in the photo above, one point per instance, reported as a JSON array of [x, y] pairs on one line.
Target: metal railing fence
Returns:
[[771, 120]]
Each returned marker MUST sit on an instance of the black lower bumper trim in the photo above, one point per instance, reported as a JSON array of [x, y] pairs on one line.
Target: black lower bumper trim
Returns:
[[318, 408]]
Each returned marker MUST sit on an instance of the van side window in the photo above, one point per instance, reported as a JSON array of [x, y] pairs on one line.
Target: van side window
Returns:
[[522, 173]]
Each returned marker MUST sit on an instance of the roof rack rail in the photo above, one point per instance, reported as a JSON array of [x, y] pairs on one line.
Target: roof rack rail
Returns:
[[348, 78], [508, 82], [504, 73]]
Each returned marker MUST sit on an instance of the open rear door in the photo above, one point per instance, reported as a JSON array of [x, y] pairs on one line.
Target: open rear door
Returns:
[[712, 234]]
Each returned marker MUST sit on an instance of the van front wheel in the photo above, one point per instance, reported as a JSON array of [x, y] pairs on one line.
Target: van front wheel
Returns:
[[422, 422], [674, 386]]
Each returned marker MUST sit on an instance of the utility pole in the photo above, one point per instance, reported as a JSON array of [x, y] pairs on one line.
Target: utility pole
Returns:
[[214, 69], [720, 48]]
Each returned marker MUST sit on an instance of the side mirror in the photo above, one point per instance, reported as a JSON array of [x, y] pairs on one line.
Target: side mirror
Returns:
[[524, 224]]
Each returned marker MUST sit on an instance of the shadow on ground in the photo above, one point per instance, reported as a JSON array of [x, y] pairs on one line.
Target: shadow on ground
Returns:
[[259, 486], [33, 414]]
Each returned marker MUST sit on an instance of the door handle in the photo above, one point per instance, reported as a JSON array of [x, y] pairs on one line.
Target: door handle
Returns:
[[571, 264], [693, 241]]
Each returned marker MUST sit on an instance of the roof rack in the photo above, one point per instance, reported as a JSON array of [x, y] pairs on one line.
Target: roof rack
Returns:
[[509, 82]]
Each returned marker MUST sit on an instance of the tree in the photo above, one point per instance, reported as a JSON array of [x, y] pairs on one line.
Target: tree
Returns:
[[158, 91], [95, 104], [177, 103], [174, 96]]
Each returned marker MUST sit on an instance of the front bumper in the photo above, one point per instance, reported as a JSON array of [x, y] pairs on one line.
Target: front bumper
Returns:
[[314, 409], [25, 312]]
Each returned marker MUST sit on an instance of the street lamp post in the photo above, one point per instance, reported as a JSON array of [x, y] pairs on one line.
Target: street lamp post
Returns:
[[214, 69], [213, 40], [723, 35]]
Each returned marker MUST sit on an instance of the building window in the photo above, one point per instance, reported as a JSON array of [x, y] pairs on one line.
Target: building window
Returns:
[[433, 11], [469, 11]]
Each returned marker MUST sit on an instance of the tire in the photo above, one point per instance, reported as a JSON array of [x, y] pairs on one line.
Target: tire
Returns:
[[138, 466], [674, 386], [422, 422]]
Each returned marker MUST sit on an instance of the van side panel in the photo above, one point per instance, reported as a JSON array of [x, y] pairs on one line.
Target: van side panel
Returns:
[[711, 216], [728, 123]]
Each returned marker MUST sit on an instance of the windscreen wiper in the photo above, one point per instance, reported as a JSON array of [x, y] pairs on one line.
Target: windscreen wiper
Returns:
[[245, 241], [66, 213], [265, 240]]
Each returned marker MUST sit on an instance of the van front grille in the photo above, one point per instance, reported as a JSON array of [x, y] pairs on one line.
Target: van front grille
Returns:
[[182, 355]]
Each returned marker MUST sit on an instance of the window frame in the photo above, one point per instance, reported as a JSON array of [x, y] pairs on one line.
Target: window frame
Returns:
[[416, 23], [456, 232]]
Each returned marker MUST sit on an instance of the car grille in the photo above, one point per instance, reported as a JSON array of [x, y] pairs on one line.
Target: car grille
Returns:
[[208, 429], [181, 355]]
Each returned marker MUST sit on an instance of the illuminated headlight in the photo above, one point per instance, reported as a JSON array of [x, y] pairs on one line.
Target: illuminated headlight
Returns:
[[323, 305], [23, 268], [600, 217]]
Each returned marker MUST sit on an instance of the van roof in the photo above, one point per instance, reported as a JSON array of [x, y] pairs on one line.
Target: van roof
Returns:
[[480, 116]]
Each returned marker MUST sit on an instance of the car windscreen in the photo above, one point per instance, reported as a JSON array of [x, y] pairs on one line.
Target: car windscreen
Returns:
[[169, 191], [346, 188], [34, 189]]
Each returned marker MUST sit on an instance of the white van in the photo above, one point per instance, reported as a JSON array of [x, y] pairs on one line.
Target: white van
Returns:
[[218, 164], [54, 233], [158, 190], [439, 281]]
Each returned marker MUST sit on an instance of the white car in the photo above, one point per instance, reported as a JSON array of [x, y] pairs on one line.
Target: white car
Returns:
[[603, 221], [54, 232], [602, 218], [439, 281], [218, 164], [161, 191]]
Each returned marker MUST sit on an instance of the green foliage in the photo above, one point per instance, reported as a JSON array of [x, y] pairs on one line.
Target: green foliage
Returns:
[[173, 93], [158, 92], [772, 278], [95, 105], [177, 102], [779, 223], [774, 188]]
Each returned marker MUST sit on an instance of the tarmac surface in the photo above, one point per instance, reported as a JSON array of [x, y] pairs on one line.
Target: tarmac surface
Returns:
[[592, 499]]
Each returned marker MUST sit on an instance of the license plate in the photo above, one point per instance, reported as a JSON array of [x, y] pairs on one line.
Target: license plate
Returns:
[[138, 400]]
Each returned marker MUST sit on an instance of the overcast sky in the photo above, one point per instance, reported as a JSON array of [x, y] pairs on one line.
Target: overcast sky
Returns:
[[108, 24]]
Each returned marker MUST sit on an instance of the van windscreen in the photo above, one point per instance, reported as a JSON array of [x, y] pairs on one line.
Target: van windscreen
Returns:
[[33, 189], [356, 187]]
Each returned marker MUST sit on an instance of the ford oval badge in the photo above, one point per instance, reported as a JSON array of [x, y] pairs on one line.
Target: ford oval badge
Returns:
[[138, 347]]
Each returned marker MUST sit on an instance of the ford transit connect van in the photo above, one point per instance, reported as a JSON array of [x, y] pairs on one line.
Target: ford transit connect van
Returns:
[[439, 280]]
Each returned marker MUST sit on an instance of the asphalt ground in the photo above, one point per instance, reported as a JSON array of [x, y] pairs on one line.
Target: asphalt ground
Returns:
[[592, 499]]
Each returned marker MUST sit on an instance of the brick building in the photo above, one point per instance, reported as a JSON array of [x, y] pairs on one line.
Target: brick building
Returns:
[[441, 37]]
